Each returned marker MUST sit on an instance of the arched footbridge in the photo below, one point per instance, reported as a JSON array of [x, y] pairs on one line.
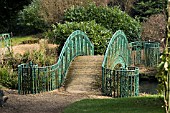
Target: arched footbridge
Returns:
[[113, 74]]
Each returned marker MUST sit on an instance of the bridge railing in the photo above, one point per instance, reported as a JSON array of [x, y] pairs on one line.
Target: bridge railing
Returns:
[[116, 82], [39, 79], [145, 53], [5, 40], [123, 82]]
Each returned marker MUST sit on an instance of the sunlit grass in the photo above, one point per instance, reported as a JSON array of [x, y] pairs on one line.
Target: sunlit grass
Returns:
[[147, 104], [19, 40]]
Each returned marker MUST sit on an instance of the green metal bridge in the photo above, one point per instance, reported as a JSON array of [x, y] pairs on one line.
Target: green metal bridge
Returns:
[[120, 77]]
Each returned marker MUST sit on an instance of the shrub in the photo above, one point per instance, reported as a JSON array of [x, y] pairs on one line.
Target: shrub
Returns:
[[30, 20], [8, 77], [110, 18], [52, 11], [98, 34], [8, 71]]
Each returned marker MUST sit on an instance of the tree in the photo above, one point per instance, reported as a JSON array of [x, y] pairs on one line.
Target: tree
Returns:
[[8, 12], [154, 29], [125, 5], [145, 8]]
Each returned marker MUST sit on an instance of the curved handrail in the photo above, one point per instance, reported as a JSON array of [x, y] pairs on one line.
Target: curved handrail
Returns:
[[118, 46], [118, 52], [76, 44], [79, 44]]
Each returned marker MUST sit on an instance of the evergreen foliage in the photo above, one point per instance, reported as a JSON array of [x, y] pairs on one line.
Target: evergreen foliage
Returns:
[[30, 20], [98, 34], [145, 8], [111, 18], [8, 11]]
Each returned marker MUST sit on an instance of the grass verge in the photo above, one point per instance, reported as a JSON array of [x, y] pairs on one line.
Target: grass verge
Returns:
[[19, 40], [148, 104]]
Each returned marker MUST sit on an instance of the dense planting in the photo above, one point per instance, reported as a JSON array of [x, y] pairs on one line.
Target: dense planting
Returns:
[[111, 18], [99, 35]]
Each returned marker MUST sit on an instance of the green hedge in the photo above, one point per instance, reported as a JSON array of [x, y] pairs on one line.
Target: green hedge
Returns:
[[98, 34], [111, 18]]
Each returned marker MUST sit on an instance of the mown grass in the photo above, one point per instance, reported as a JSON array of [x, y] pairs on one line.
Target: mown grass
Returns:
[[19, 40], [151, 104]]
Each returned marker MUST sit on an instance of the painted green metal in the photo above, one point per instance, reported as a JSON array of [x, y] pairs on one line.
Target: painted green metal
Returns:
[[5, 40], [117, 52], [152, 53], [34, 79], [136, 52], [145, 53], [123, 82], [118, 79]]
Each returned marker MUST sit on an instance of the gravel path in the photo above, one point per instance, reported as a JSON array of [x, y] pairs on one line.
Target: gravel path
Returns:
[[47, 102]]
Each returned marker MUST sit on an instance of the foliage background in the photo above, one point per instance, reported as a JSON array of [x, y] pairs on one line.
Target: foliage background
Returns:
[[98, 34], [111, 18]]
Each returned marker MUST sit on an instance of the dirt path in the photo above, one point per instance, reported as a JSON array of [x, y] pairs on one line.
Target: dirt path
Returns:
[[48, 102]]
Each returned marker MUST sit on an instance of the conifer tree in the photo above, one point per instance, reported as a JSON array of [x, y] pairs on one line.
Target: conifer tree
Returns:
[[145, 8]]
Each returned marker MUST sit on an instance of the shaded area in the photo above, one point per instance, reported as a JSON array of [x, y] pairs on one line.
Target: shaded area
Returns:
[[148, 86]]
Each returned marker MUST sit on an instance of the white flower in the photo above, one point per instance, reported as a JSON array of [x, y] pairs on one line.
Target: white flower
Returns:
[[161, 56], [166, 66]]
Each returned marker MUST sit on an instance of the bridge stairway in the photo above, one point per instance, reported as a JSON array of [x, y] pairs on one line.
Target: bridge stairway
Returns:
[[85, 75]]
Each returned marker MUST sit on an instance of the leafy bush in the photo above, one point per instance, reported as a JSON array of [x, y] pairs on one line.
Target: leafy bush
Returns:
[[52, 11], [30, 20], [99, 35], [110, 18], [44, 57], [8, 71], [8, 77]]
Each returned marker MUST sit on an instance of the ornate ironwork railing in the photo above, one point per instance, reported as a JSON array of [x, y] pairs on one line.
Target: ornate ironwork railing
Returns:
[[123, 82], [146, 53], [115, 81], [152, 54], [34, 79], [118, 51]]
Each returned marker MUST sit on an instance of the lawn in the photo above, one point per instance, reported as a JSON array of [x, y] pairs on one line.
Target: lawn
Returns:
[[147, 104], [19, 40]]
